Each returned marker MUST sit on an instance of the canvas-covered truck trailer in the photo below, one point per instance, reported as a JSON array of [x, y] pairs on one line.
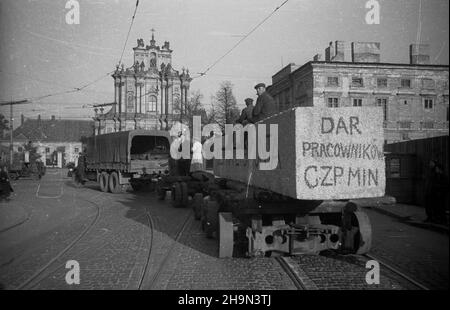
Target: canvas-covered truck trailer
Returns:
[[135, 157]]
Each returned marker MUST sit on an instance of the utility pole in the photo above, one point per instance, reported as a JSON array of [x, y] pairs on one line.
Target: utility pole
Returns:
[[11, 126]]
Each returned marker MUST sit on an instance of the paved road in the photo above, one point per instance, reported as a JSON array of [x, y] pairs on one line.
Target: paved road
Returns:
[[133, 241]]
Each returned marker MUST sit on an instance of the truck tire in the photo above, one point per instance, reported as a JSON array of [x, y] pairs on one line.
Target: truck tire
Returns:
[[103, 180], [114, 184]]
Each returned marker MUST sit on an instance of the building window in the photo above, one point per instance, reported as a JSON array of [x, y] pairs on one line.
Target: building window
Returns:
[[406, 83], [428, 104], [427, 125], [333, 102], [405, 136], [47, 150], [405, 124], [151, 104], [332, 81], [357, 102], [382, 102], [428, 84], [76, 150], [357, 82], [382, 82], [405, 101]]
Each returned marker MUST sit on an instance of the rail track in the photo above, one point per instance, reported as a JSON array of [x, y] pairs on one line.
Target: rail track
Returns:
[[292, 274], [150, 283], [397, 271], [43, 269]]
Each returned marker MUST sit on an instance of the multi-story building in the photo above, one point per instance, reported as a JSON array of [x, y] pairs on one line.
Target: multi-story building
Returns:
[[150, 94], [414, 95], [50, 137]]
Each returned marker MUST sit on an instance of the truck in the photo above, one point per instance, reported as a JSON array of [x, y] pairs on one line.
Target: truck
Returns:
[[116, 160]]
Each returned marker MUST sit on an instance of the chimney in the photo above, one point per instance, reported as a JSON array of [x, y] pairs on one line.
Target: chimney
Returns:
[[53, 118], [366, 52], [329, 52], [22, 119], [336, 52], [317, 57], [419, 54], [39, 120]]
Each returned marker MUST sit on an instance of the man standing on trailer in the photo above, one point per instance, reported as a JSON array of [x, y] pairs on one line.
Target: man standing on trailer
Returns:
[[247, 113], [265, 104]]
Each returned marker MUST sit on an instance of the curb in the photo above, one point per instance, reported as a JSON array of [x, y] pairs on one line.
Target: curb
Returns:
[[407, 220]]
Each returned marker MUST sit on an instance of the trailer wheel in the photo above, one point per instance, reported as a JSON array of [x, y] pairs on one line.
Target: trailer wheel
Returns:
[[114, 184], [103, 180], [197, 205]]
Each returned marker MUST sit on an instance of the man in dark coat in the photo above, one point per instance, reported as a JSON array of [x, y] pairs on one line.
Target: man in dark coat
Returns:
[[265, 104], [247, 113]]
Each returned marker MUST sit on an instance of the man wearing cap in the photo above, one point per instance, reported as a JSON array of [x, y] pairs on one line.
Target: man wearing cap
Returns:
[[246, 114], [265, 105]]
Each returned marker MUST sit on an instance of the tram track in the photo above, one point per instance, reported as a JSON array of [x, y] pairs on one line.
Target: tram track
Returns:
[[291, 273], [150, 284], [397, 271], [44, 268]]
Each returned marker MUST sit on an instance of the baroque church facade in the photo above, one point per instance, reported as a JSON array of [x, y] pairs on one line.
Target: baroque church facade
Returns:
[[150, 94]]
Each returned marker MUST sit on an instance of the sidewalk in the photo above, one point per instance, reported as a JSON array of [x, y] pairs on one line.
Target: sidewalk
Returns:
[[409, 214]]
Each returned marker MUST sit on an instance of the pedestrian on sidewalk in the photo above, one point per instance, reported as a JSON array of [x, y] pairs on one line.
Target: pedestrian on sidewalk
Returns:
[[5, 185], [436, 185]]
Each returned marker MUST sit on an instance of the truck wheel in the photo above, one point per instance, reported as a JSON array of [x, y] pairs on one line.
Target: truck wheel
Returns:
[[114, 185], [197, 205], [176, 195], [103, 180]]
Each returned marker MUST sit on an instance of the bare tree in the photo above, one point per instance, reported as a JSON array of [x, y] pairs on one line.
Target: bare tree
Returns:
[[193, 107], [225, 109]]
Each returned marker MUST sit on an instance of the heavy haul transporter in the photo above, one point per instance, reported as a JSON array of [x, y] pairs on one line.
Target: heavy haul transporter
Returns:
[[325, 159], [117, 159]]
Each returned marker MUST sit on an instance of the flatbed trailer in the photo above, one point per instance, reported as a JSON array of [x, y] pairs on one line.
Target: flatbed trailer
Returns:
[[303, 206]]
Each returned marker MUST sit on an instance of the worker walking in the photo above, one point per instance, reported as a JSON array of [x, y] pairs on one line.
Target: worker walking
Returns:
[[265, 104], [197, 156]]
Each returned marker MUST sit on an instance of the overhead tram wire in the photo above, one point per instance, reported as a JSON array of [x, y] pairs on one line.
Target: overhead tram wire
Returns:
[[77, 89], [240, 41], [129, 30]]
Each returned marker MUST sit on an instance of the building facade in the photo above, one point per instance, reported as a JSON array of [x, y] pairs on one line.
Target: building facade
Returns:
[[150, 94], [414, 96], [49, 137]]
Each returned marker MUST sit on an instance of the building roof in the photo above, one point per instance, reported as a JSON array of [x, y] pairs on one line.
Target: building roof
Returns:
[[54, 130]]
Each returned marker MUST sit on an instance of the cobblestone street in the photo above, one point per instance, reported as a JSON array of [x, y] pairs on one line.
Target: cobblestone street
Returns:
[[134, 241]]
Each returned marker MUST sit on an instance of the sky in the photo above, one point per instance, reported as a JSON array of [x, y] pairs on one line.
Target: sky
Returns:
[[41, 54]]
